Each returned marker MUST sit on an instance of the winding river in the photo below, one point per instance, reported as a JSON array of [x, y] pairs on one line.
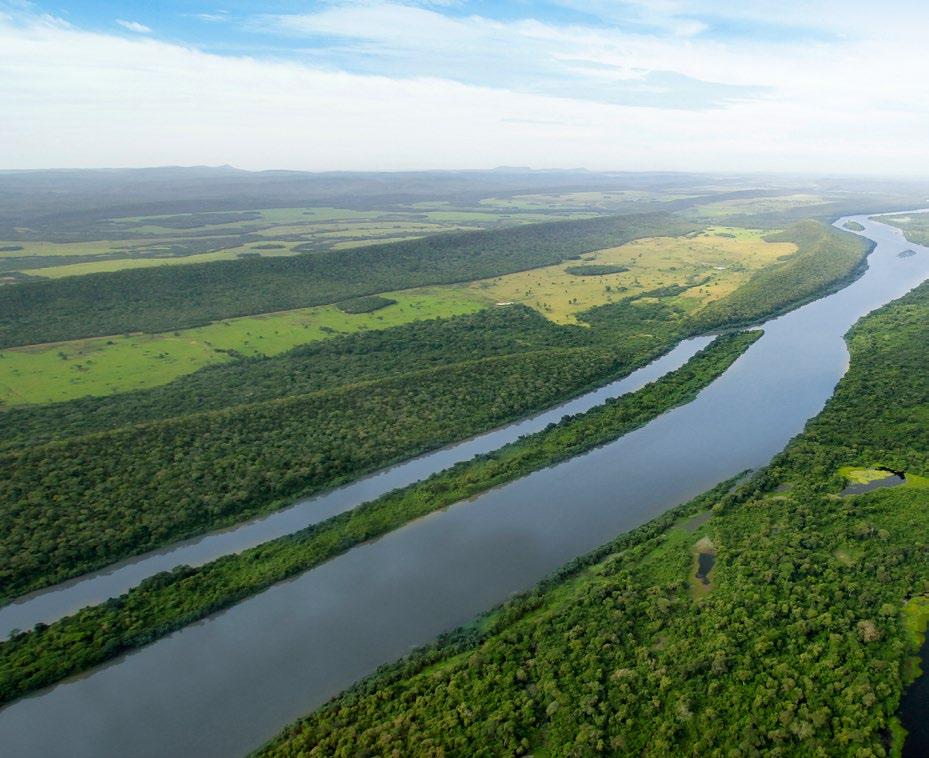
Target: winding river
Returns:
[[225, 685]]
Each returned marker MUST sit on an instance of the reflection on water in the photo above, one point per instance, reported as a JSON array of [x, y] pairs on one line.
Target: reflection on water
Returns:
[[914, 710], [705, 563]]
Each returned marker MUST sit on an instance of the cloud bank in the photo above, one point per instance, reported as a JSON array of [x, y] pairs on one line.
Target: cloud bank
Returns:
[[649, 85]]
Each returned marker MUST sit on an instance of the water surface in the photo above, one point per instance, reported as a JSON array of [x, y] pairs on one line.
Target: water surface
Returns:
[[50, 604], [223, 686], [914, 709]]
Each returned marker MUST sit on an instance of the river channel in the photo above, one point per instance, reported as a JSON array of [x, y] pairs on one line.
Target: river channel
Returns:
[[227, 684]]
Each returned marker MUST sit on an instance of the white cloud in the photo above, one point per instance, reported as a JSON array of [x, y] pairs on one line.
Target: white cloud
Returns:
[[526, 55], [75, 98], [134, 26]]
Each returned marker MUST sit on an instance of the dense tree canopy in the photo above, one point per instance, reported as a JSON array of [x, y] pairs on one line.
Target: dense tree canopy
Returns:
[[797, 646], [75, 504], [168, 601]]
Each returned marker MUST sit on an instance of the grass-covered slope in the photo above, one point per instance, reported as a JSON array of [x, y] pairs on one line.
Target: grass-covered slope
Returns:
[[171, 600], [797, 646], [171, 297], [825, 259]]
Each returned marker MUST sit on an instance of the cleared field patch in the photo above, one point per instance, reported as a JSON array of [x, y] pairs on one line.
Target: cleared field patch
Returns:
[[704, 561], [381, 229], [710, 265], [352, 244], [862, 475], [32, 249], [106, 365]]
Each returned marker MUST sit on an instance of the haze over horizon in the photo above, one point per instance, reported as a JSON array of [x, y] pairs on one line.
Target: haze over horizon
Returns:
[[676, 85]]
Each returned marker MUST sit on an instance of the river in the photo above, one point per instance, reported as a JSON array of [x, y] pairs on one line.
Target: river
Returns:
[[225, 685], [60, 600]]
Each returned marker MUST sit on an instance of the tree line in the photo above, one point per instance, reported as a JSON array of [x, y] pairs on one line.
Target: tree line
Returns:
[[826, 258], [173, 297]]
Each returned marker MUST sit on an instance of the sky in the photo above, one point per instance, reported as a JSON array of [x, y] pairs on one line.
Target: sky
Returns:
[[820, 86]]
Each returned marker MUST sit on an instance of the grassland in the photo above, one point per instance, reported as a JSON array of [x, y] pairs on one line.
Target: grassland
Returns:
[[118, 264], [602, 201], [699, 274], [101, 366], [166, 298], [41, 249], [855, 475], [710, 264], [687, 272]]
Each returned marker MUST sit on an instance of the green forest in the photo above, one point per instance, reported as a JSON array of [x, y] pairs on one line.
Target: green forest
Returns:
[[73, 505], [623, 650], [89, 481], [169, 601], [172, 297], [109, 477], [797, 645]]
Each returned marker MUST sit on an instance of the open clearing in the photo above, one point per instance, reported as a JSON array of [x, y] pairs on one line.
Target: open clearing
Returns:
[[716, 261], [117, 264], [711, 264], [102, 366]]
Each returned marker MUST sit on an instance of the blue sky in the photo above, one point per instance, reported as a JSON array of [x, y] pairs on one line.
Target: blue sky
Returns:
[[664, 84], [338, 36]]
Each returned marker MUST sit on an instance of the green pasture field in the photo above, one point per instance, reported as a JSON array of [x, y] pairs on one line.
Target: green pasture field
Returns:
[[105, 365], [118, 264]]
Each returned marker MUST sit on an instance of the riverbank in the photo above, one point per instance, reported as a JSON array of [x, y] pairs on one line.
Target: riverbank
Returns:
[[169, 601], [801, 643], [53, 603], [141, 480], [226, 685]]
